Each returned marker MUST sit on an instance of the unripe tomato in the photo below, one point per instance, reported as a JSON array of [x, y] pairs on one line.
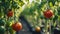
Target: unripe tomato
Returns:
[[37, 29], [48, 13], [10, 13], [17, 26]]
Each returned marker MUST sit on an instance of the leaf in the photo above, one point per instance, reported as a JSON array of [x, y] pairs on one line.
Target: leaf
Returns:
[[11, 30], [53, 2], [21, 3], [58, 11], [55, 18], [14, 4]]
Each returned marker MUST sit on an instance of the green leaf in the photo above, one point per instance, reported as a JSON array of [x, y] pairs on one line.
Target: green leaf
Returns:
[[53, 1], [58, 11], [11, 31], [55, 18], [14, 4], [2, 22], [2, 30]]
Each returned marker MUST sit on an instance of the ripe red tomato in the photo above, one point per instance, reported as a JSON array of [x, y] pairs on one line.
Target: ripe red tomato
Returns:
[[37, 29], [48, 13], [17, 26], [10, 14]]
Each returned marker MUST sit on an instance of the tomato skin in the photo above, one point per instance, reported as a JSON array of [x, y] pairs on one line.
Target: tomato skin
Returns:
[[10, 14], [48, 13], [17, 26], [37, 29]]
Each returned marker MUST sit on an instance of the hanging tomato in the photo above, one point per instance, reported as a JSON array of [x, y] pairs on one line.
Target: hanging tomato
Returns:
[[17, 26], [10, 13], [37, 29], [48, 13]]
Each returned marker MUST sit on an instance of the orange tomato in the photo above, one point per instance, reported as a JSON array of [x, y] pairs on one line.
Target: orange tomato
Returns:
[[37, 29]]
